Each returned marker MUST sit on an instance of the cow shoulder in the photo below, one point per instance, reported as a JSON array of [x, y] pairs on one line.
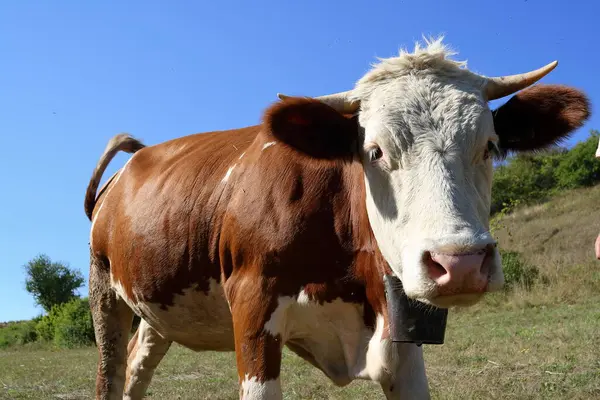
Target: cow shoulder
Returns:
[[298, 179]]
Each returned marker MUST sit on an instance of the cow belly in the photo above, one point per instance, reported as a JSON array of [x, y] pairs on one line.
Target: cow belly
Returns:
[[332, 337], [197, 320]]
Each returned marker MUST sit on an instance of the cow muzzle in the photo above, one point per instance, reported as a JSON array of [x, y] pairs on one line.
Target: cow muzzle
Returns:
[[459, 273]]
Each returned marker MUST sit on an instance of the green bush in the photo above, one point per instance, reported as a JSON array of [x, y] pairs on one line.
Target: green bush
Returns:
[[579, 166], [27, 334], [533, 177], [68, 325], [17, 333], [525, 178], [517, 271], [45, 326], [74, 326]]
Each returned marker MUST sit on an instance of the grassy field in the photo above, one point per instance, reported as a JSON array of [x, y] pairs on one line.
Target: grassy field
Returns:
[[537, 344]]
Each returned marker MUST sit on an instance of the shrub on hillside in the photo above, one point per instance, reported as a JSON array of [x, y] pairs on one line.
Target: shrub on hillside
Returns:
[[45, 326], [525, 178], [17, 333], [579, 166], [73, 326], [533, 177], [517, 271], [68, 325]]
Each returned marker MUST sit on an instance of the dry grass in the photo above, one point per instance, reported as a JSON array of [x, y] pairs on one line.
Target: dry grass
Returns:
[[541, 344], [558, 237], [559, 233]]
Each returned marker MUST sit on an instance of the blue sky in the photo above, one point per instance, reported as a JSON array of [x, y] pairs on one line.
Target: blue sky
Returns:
[[75, 73]]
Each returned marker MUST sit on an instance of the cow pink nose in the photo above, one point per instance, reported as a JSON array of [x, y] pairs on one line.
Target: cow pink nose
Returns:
[[458, 273]]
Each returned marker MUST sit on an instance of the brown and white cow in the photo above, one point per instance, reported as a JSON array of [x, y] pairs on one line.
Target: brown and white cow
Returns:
[[280, 234]]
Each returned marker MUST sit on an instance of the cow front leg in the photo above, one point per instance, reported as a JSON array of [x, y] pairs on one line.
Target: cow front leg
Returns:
[[408, 379], [258, 328], [259, 363]]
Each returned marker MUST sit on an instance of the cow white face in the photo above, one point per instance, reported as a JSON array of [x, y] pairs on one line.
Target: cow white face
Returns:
[[427, 143]]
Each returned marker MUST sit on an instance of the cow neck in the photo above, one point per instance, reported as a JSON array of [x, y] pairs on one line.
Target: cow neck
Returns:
[[369, 266]]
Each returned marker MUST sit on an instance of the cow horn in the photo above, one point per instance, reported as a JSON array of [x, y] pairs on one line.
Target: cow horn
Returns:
[[501, 86], [339, 101]]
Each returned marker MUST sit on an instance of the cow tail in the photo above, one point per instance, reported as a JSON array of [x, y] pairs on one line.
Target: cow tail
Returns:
[[121, 142]]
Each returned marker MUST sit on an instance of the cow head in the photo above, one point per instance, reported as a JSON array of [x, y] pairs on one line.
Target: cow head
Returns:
[[426, 140]]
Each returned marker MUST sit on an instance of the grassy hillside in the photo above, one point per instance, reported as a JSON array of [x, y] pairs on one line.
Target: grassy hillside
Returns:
[[558, 237], [538, 344]]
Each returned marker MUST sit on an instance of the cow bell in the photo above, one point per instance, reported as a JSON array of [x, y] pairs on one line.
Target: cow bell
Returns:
[[412, 321]]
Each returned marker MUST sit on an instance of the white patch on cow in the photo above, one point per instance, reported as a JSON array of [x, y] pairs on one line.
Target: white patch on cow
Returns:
[[268, 144], [228, 173], [380, 359], [431, 189], [303, 298], [399, 367], [198, 320], [333, 333], [141, 349], [147, 353], [253, 389], [242, 156], [408, 379], [120, 291], [378, 353], [276, 322], [106, 197]]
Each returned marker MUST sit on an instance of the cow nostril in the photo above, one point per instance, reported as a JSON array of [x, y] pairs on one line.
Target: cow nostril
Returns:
[[435, 270]]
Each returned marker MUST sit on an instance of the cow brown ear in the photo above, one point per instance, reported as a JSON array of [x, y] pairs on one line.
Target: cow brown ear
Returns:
[[312, 127], [539, 116]]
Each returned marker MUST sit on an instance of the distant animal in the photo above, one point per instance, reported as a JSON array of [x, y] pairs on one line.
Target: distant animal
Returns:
[[280, 234], [597, 244]]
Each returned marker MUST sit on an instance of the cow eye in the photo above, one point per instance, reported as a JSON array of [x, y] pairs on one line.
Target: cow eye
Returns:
[[492, 148], [374, 153]]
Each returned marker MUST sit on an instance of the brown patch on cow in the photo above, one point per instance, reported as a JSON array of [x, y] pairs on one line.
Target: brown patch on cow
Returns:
[[348, 289], [370, 268], [259, 357], [162, 219], [540, 116], [252, 300]]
